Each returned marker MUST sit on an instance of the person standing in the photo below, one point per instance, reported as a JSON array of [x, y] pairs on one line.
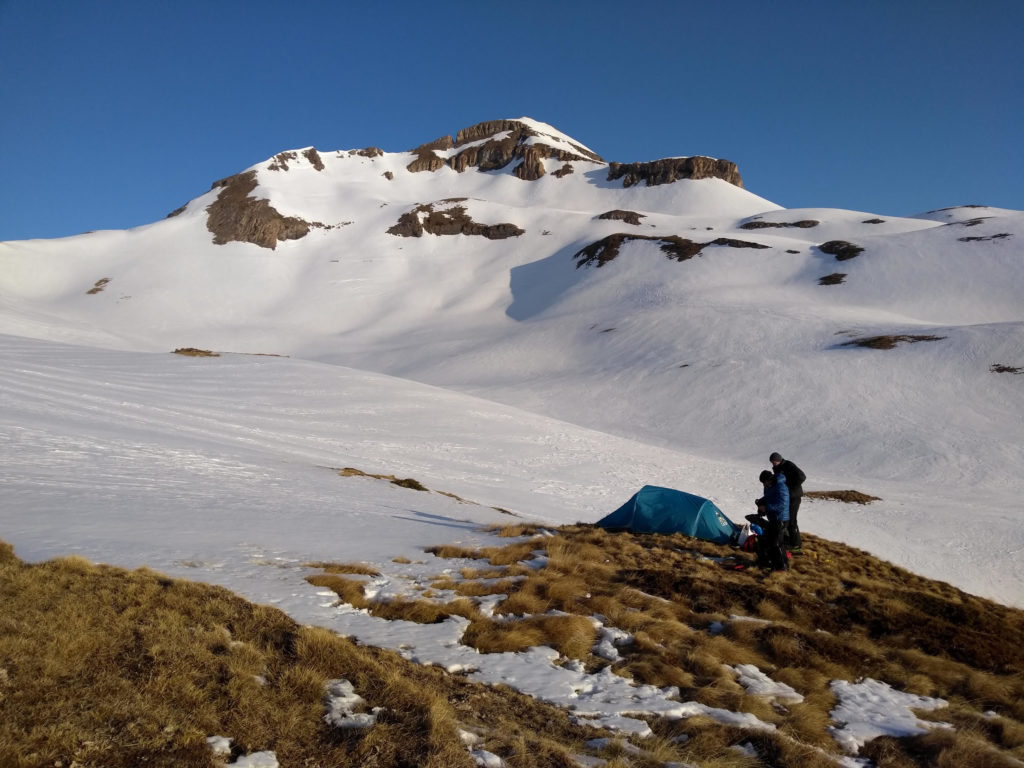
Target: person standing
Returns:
[[795, 483], [775, 504]]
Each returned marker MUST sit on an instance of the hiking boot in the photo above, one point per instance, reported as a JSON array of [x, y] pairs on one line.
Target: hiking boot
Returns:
[[796, 550]]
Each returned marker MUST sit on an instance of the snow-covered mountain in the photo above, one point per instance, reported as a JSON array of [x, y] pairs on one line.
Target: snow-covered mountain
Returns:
[[658, 302]]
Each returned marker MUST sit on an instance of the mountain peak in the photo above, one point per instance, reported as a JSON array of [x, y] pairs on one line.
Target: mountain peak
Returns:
[[495, 144]]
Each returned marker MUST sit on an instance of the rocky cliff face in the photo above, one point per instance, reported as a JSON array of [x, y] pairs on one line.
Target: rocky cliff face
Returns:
[[234, 216], [493, 145], [673, 169]]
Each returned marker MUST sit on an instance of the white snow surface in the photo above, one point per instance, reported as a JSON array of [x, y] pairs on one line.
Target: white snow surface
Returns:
[[868, 709], [499, 371]]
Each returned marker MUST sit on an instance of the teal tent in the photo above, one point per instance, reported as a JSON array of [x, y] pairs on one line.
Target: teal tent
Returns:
[[666, 510]]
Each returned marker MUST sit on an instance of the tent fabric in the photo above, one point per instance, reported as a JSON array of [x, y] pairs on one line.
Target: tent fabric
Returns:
[[666, 510]]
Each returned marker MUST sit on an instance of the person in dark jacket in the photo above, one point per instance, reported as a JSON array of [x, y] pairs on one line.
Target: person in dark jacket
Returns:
[[775, 505], [795, 483]]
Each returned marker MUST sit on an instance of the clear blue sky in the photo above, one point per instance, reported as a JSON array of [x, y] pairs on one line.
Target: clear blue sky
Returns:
[[115, 112]]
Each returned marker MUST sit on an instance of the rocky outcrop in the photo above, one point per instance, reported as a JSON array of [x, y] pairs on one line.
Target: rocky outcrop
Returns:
[[234, 216], [449, 220], [426, 156], [314, 158], [673, 169], [281, 159], [493, 145], [630, 217], [890, 341], [804, 224], [606, 249], [841, 249]]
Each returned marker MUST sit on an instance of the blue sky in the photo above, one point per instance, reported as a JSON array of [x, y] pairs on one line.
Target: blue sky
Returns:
[[114, 113]]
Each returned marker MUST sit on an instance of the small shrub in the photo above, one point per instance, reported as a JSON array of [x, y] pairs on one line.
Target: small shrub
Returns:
[[410, 483]]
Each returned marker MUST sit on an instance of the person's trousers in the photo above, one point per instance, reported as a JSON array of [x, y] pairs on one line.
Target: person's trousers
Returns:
[[773, 545], [792, 529]]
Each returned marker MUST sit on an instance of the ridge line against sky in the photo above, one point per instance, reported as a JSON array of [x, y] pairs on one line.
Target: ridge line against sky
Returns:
[[116, 113]]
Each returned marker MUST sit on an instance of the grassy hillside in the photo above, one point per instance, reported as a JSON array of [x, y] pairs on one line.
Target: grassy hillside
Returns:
[[104, 667]]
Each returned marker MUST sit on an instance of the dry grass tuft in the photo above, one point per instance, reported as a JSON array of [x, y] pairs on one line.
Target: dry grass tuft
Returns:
[[850, 497], [838, 614], [193, 352], [105, 667], [356, 568]]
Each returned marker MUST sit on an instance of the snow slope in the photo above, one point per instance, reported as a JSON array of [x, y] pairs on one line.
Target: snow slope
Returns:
[[695, 369]]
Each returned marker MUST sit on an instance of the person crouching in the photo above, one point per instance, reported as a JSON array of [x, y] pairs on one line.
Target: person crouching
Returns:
[[775, 506]]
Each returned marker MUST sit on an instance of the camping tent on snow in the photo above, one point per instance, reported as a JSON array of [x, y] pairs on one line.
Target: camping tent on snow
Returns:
[[666, 510]]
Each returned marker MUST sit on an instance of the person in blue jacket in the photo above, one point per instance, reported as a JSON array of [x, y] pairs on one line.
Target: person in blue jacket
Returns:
[[775, 506]]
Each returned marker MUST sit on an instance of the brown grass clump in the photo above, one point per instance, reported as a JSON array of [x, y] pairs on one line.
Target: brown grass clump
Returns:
[[402, 482], [193, 352], [115, 668], [98, 286], [358, 568], [105, 667], [838, 614], [851, 497]]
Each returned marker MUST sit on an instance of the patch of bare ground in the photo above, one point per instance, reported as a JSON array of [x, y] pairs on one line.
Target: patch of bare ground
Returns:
[[1001, 368], [839, 613], [194, 352], [891, 340], [873, 221], [113, 668], [234, 216], [98, 286], [850, 497], [630, 217], [834, 279], [841, 249], [668, 170], [565, 170], [803, 224], [450, 220], [602, 251]]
